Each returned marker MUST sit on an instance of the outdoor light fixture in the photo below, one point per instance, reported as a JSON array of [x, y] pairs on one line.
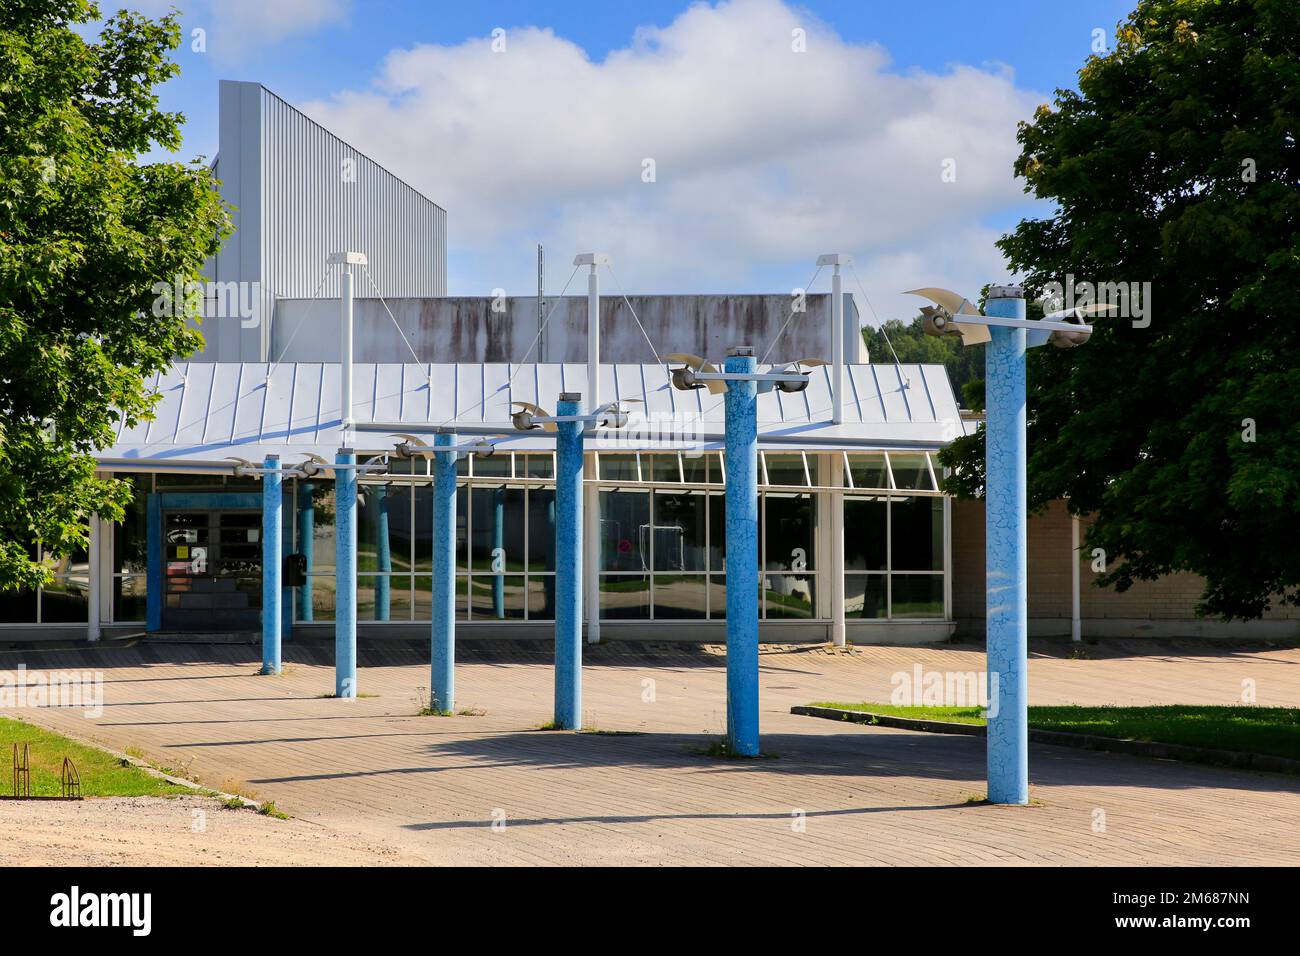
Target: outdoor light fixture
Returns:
[[1068, 339], [1063, 329], [409, 446], [686, 378], [531, 417], [794, 368], [698, 373]]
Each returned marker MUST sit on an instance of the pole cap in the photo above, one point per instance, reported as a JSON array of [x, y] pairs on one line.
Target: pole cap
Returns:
[[746, 351], [1006, 292], [571, 396]]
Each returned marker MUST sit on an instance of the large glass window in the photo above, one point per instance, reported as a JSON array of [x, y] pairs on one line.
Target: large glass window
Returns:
[[130, 552], [893, 557]]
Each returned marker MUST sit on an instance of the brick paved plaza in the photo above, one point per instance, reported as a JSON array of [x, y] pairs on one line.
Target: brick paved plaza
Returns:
[[636, 792]]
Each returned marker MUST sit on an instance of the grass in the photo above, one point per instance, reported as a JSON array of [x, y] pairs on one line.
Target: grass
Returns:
[[1274, 731], [102, 774]]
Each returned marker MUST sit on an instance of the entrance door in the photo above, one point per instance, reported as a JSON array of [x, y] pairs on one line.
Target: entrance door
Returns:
[[213, 578]]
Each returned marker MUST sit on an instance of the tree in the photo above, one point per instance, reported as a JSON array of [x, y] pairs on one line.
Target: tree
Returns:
[[85, 233], [1175, 163]]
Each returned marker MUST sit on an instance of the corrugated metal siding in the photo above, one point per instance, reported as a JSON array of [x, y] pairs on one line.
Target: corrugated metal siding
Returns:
[[213, 410], [309, 210]]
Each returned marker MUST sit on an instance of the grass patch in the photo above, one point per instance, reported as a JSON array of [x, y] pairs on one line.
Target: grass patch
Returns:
[[549, 725], [269, 809], [471, 712], [102, 774], [336, 696], [433, 712], [720, 749], [1274, 731]]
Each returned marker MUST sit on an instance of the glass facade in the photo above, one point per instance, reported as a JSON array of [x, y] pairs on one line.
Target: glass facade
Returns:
[[662, 528], [64, 600]]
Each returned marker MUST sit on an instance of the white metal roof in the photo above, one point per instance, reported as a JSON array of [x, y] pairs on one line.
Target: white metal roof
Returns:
[[212, 411]]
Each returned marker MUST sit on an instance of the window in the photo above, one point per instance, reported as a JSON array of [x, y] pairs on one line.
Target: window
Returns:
[[130, 553], [64, 600], [893, 556]]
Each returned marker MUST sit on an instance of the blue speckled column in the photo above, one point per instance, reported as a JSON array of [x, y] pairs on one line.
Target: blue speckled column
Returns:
[[742, 556], [568, 565], [345, 564], [306, 545], [272, 504], [1005, 511], [383, 556], [442, 678]]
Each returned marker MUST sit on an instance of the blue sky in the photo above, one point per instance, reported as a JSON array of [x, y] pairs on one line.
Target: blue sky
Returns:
[[763, 159]]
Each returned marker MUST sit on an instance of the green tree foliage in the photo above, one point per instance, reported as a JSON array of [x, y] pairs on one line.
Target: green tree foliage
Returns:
[[85, 233], [1175, 163]]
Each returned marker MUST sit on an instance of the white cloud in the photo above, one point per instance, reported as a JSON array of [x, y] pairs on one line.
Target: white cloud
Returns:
[[764, 157], [243, 26]]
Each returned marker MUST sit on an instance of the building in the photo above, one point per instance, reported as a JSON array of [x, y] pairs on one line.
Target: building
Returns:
[[854, 531]]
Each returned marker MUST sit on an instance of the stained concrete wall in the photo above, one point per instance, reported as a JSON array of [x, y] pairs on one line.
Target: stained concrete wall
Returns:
[[1163, 608], [468, 330]]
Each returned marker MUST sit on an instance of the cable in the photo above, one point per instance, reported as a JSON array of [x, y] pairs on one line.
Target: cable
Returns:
[[276, 364], [537, 338], [668, 374], [789, 319], [382, 302], [881, 325]]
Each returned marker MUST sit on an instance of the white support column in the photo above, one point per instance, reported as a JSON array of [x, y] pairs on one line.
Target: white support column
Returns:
[[591, 496], [1076, 619], [94, 586], [836, 569], [835, 260], [347, 260]]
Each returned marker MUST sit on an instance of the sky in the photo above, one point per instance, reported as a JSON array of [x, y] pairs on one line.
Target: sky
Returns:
[[707, 147]]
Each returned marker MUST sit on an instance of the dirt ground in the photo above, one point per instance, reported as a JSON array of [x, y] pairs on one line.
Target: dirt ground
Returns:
[[173, 831]]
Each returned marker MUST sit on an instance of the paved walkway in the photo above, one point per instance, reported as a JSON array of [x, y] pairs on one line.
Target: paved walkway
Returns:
[[635, 792]]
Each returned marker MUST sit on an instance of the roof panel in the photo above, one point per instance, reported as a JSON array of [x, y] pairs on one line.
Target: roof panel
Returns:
[[214, 410]]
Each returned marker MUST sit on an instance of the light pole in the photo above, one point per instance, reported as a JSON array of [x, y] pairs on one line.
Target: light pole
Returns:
[[568, 563], [741, 449], [272, 502], [1007, 611], [742, 383], [1006, 334], [442, 656]]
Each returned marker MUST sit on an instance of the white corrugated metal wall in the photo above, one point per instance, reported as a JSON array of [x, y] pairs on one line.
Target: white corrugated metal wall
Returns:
[[301, 193]]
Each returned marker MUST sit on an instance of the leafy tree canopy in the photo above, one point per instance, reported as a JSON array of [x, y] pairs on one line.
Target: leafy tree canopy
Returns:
[[85, 233], [1175, 163]]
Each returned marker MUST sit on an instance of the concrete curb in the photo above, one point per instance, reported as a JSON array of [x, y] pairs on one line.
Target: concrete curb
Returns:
[[1059, 738]]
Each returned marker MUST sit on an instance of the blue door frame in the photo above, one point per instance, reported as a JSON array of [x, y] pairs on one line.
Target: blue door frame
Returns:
[[163, 501]]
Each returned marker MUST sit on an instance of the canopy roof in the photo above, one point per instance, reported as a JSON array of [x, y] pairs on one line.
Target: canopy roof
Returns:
[[212, 411]]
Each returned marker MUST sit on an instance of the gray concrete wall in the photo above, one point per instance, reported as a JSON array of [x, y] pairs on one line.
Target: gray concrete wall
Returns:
[[468, 330]]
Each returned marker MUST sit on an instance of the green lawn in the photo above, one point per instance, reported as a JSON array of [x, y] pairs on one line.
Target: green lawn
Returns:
[[1261, 730], [102, 774]]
